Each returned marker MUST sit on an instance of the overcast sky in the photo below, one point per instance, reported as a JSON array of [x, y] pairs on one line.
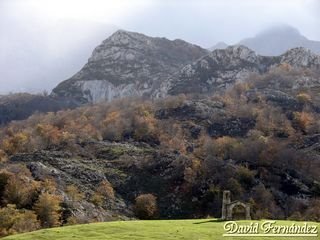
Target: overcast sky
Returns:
[[43, 42]]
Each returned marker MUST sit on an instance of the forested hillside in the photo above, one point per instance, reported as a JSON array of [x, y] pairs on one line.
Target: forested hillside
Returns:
[[168, 158]]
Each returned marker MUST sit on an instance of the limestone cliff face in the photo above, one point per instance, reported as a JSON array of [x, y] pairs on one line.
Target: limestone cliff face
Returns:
[[224, 67], [128, 64], [132, 64], [215, 71]]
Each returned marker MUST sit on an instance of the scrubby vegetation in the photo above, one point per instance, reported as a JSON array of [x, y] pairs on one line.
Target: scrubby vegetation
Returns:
[[172, 157], [146, 206]]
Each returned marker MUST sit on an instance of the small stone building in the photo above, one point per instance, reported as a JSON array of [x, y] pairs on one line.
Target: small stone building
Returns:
[[234, 210]]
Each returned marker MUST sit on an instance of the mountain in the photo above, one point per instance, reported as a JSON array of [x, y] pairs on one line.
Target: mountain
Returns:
[[277, 40], [219, 45], [132, 64], [128, 64], [224, 67]]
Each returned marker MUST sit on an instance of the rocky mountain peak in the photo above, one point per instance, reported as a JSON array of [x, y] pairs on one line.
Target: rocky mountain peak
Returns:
[[301, 57], [128, 64], [235, 52], [120, 41], [224, 67], [133, 64], [217, 70]]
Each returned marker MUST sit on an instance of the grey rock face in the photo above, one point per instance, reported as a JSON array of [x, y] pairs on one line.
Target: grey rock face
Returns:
[[82, 173], [132, 64], [301, 57], [225, 67], [217, 70], [128, 64]]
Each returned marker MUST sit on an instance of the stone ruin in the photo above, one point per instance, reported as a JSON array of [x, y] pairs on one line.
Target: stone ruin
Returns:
[[234, 210]]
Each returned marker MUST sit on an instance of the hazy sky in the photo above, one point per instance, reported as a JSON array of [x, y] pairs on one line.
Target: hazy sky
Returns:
[[43, 42]]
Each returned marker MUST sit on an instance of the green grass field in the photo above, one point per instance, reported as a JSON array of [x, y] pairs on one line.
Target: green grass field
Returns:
[[203, 229]]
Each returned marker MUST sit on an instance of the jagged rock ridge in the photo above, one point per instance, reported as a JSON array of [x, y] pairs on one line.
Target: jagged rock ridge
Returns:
[[132, 64], [224, 67], [128, 64]]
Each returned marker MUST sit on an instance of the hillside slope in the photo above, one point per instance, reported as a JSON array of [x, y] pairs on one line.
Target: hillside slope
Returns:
[[132, 64], [259, 139]]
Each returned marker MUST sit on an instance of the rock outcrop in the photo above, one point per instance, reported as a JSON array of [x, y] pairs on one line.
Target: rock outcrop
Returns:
[[224, 67], [132, 64], [128, 64]]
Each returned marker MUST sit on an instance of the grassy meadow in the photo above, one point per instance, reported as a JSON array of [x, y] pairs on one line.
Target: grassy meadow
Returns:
[[201, 229]]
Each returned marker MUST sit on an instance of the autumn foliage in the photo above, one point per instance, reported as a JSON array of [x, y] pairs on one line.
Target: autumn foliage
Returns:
[[146, 206]]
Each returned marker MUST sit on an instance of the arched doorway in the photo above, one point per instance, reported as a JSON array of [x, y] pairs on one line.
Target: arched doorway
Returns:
[[238, 211]]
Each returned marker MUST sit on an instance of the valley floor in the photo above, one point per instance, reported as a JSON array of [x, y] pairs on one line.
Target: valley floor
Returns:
[[204, 229]]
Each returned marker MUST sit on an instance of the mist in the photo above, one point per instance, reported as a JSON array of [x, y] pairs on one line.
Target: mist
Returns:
[[44, 42]]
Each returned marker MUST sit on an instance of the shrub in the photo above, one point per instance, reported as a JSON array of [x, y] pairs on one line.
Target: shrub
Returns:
[[17, 221], [146, 206], [144, 123], [234, 186], [190, 172], [113, 126], [25, 222], [50, 135], [73, 193], [73, 220], [313, 212], [14, 193], [296, 216], [172, 137], [105, 189], [7, 218], [104, 193], [265, 206], [223, 147], [18, 142], [172, 101], [97, 199], [304, 120], [48, 209], [4, 178], [245, 176], [272, 122], [49, 186], [3, 156], [304, 98]]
